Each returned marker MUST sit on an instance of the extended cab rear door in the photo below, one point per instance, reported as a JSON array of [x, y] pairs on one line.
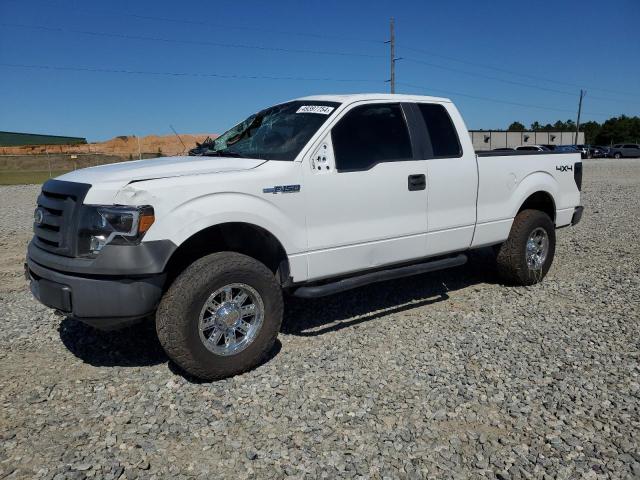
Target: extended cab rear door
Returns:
[[365, 192], [452, 177]]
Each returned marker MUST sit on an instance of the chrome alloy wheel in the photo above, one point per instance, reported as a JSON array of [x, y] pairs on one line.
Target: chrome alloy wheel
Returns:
[[537, 248], [231, 319]]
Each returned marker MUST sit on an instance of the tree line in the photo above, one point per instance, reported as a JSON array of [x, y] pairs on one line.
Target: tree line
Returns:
[[620, 129]]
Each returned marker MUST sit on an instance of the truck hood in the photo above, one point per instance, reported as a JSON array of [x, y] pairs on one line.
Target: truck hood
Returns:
[[162, 167]]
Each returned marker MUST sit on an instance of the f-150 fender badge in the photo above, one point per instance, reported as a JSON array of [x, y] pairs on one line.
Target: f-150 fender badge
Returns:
[[564, 168], [282, 189]]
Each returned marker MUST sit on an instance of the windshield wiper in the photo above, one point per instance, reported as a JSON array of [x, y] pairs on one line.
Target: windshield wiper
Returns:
[[222, 153]]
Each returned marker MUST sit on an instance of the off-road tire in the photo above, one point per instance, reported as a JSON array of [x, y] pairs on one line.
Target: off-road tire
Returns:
[[179, 311], [511, 256]]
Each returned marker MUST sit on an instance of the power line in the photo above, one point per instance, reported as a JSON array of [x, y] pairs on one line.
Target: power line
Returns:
[[184, 74], [326, 36], [272, 77], [234, 27], [511, 82], [512, 72], [489, 77], [210, 24], [495, 100], [314, 52], [189, 42]]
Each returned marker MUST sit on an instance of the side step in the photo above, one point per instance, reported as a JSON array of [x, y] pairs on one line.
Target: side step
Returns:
[[379, 276]]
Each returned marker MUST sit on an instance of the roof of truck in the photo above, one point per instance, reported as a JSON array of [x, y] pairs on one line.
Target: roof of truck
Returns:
[[355, 97]]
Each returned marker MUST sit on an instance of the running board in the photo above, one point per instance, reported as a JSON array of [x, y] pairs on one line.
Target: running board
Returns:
[[379, 276]]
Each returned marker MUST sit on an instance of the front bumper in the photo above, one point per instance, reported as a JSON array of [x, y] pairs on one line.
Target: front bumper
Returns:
[[102, 301]]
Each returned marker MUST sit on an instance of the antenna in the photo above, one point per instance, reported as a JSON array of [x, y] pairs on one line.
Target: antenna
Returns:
[[184, 147]]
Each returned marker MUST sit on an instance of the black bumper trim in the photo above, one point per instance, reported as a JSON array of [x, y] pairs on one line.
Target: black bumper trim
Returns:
[[148, 258], [577, 215], [101, 302]]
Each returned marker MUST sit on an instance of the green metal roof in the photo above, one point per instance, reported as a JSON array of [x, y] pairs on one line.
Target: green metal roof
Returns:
[[13, 139]]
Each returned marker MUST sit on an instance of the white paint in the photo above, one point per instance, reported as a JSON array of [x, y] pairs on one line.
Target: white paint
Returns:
[[341, 222]]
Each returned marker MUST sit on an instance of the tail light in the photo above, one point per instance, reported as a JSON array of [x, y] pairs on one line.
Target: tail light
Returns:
[[577, 175]]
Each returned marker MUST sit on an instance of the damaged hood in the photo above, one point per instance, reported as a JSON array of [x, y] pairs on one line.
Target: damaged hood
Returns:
[[162, 167]]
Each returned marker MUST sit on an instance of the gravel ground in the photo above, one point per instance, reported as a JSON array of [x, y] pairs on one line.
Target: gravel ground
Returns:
[[445, 376]]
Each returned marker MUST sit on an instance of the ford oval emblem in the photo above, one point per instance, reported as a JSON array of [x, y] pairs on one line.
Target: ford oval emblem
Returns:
[[38, 216]]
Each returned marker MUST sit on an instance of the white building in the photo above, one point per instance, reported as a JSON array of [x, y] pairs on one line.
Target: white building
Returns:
[[490, 139]]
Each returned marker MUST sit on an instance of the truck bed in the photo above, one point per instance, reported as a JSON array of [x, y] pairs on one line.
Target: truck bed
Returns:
[[506, 178]]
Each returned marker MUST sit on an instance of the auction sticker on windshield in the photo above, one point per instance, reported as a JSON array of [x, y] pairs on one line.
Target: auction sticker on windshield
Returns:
[[321, 109]]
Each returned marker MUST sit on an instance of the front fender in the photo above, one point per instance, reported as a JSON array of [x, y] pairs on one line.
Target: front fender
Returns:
[[196, 214]]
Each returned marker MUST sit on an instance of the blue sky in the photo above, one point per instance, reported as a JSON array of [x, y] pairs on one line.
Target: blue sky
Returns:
[[534, 56]]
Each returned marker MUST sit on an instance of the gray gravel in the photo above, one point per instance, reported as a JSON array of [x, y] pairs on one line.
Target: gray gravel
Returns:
[[444, 376]]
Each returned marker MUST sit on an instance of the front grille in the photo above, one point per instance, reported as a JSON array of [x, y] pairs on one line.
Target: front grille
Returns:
[[59, 207]]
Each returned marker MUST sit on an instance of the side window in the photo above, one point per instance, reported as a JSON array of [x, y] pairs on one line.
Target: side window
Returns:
[[370, 134], [444, 138]]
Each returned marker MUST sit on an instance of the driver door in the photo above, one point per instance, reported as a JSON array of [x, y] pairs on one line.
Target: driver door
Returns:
[[365, 194]]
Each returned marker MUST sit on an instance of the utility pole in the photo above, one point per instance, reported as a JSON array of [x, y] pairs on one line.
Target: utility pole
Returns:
[[582, 94], [392, 41], [139, 150], [393, 59]]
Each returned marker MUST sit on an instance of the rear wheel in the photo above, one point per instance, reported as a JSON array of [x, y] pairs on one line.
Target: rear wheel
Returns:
[[617, 155], [526, 256], [221, 316]]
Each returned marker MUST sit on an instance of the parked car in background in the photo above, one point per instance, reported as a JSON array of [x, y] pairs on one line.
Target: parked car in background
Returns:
[[583, 149], [566, 149], [604, 150], [532, 148], [550, 146], [625, 150], [596, 151]]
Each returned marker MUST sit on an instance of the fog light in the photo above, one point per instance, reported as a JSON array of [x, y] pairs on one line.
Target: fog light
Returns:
[[97, 242]]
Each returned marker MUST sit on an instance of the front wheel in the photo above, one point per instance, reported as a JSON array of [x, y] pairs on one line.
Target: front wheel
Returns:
[[221, 316], [617, 155], [527, 254]]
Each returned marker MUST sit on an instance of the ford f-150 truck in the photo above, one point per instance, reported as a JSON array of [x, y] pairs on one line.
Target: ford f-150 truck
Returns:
[[309, 197]]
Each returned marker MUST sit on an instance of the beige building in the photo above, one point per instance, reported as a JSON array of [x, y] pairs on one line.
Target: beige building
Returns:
[[491, 139]]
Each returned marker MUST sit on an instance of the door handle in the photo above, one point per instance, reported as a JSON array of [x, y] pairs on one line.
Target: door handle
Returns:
[[417, 182]]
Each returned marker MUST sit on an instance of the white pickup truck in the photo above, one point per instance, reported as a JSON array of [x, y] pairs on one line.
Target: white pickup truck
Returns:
[[310, 197]]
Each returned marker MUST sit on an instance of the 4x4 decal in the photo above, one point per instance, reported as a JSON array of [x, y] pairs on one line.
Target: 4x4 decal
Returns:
[[564, 168]]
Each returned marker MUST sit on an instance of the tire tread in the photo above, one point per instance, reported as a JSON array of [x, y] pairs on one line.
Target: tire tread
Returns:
[[511, 267], [175, 303]]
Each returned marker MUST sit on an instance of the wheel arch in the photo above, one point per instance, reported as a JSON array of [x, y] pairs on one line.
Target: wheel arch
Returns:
[[537, 191], [540, 200], [241, 237]]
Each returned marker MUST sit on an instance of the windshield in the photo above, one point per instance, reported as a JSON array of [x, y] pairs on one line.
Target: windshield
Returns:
[[277, 133]]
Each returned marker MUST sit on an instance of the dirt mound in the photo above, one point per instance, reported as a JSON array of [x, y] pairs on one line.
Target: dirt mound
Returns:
[[124, 146]]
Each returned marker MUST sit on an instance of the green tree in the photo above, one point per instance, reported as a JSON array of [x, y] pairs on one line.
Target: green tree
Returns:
[[516, 127], [535, 126], [560, 126], [591, 130], [619, 130]]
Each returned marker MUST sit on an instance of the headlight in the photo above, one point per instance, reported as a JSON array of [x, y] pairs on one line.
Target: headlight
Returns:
[[116, 225]]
